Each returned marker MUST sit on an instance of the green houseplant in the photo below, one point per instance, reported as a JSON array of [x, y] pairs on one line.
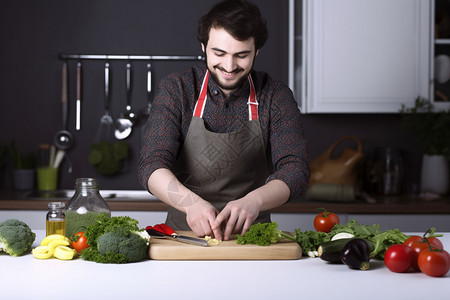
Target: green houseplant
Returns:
[[432, 132], [23, 166]]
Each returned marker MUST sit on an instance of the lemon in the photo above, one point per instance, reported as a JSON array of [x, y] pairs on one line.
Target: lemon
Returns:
[[64, 253]]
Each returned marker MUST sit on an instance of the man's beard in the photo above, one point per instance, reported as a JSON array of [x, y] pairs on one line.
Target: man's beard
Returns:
[[227, 87]]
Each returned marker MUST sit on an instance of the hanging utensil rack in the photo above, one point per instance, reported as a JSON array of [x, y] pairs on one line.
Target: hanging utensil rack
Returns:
[[129, 57]]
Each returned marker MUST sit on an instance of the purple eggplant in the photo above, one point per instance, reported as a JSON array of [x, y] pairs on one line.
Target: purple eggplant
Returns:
[[355, 254]]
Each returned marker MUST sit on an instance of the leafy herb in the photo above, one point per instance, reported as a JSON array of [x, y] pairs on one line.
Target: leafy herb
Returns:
[[310, 240], [263, 234]]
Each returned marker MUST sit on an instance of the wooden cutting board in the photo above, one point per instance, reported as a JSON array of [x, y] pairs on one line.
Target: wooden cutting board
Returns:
[[167, 249]]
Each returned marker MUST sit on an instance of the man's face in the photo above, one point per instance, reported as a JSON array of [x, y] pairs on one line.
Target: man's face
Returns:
[[229, 61]]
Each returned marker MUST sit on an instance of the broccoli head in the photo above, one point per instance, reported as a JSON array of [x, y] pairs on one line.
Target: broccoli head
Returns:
[[119, 241], [16, 237], [115, 240], [263, 234]]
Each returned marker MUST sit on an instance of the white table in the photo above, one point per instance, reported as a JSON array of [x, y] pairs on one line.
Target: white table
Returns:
[[307, 278]]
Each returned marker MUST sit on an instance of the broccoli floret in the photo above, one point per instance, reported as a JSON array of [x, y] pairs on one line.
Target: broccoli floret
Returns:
[[263, 234], [16, 237]]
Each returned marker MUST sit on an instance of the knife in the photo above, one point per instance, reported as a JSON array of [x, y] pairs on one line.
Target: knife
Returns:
[[180, 238]]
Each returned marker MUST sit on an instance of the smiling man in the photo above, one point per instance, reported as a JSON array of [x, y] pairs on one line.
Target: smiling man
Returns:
[[224, 143]]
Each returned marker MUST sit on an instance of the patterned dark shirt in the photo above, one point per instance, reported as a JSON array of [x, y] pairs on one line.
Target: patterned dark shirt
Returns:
[[279, 116]]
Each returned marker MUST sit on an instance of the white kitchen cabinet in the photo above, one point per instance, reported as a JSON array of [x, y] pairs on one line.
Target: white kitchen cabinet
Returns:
[[440, 50], [360, 56]]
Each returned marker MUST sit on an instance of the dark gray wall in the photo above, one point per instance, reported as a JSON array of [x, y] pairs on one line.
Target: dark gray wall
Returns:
[[34, 33]]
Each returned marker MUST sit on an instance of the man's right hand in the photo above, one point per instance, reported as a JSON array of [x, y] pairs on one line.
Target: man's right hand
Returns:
[[200, 216]]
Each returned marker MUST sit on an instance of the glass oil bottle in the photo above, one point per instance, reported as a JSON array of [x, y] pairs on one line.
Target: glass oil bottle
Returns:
[[55, 220]]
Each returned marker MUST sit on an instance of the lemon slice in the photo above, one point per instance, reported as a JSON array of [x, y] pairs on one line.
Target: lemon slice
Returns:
[[41, 252], [64, 253], [53, 237], [55, 243]]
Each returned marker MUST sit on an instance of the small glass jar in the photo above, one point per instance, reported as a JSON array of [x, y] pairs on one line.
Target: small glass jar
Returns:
[[85, 205], [55, 220], [389, 171]]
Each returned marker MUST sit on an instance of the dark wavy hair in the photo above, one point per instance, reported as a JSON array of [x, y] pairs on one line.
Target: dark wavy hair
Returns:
[[239, 18]]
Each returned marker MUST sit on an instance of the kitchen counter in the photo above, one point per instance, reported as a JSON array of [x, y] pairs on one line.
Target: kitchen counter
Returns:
[[15, 200], [28, 278]]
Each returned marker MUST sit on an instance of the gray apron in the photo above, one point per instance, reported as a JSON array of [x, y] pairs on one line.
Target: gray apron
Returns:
[[220, 167]]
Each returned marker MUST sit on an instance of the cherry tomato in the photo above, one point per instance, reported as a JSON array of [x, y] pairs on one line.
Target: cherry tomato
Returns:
[[418, 244], [325, 221], [79, 242], [398, 258], [434, 262]]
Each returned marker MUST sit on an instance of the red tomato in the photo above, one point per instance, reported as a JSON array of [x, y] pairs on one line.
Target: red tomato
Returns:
[[79, 242], [418, 244], [434, 263], [398, 258], [325, 221]]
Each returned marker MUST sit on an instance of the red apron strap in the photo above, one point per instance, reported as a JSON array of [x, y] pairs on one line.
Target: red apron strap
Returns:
[[252, 102], [201, 102], [200, 105]]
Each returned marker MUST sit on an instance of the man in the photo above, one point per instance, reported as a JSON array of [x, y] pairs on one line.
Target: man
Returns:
[[224, 144]]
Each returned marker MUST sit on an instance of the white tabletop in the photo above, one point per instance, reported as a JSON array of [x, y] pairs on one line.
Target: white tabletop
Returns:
[[307, 278]]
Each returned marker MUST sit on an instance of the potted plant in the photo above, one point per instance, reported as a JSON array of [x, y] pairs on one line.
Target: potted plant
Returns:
[[23, 168], [432, 132]]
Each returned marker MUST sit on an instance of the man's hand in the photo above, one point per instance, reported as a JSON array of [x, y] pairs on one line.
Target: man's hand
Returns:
[[238, 216], [200, 216]]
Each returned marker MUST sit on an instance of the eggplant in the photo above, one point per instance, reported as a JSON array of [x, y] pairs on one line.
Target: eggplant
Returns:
[[331, 251], [355, 254]]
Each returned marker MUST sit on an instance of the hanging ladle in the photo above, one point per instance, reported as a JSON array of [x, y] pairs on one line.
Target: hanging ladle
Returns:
[[63, 138], [145, 112], [125, 122]]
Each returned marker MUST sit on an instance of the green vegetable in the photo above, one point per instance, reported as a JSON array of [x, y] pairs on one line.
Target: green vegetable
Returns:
[[309, 240], [122, 242], [16, 237], [381, 240], [263, 234], [108, 158], [114, 240], [331, 251]]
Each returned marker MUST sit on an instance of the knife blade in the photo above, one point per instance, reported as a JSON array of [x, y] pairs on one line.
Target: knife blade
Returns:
[[179, 238]]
